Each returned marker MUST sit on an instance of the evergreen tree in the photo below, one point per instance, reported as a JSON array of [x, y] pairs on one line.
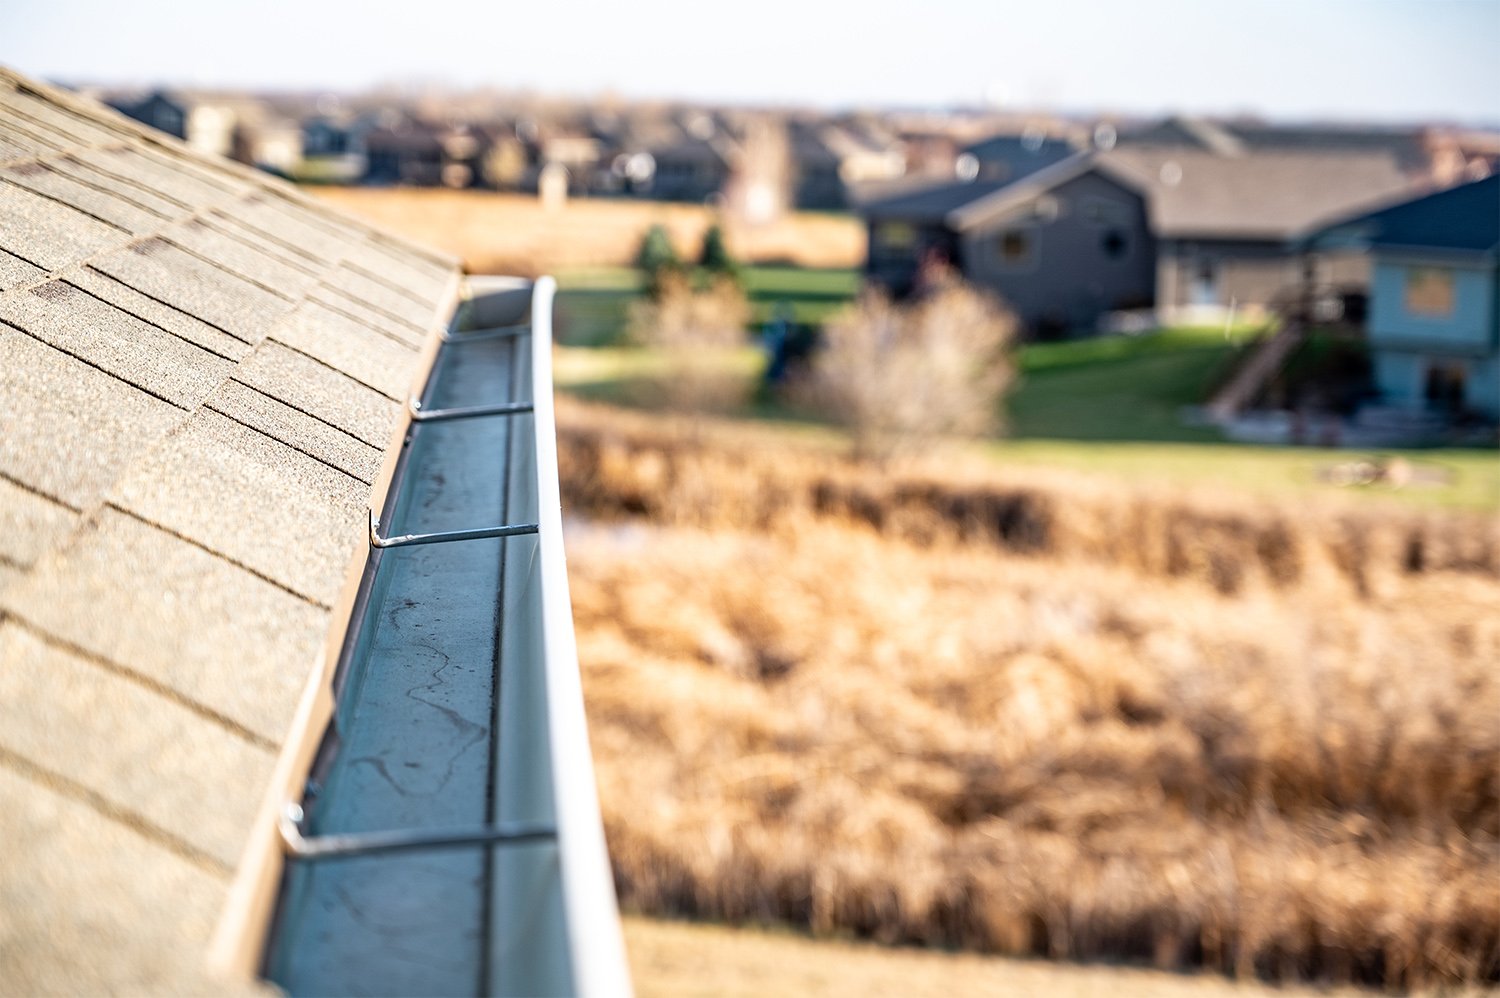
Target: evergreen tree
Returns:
[[656, 259]]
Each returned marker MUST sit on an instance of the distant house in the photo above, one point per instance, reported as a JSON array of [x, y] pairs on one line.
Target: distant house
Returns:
[[408, 153], [1225, 221], [1063, 246], [1434, 321], [157, 110], [1012, 157], [689, 169]]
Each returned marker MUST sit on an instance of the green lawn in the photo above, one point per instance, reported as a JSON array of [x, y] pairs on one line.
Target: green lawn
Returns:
[[1110, 405], [1119, 387], [592, 302]]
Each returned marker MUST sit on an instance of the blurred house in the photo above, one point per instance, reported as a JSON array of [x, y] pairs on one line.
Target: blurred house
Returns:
[[333, 147], [408, 153], [1434, 319], [1221, 216], [1225, 223], [234, 126], [156, 110], [1062, 246], [739, 161], [1012, 157], [832, 161]]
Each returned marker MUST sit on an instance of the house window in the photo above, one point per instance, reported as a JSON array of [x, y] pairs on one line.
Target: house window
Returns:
[[1014, 248], [896, 236], [1114, 244], [1429, 291]]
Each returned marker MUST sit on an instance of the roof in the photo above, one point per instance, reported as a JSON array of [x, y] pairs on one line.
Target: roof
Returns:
[[200, 373], [966, 204], [1256, 195], [1464, 219], [1012, 196], [1236, 137], [924, 201]]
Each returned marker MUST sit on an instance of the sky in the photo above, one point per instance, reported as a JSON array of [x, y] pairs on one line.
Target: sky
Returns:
[[1381, 60]]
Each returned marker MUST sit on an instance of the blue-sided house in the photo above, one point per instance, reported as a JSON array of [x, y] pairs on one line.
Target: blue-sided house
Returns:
[[1434, 321]]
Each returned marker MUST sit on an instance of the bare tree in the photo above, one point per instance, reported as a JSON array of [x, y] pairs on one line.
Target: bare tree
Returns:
[[699, 336], [898, 376]]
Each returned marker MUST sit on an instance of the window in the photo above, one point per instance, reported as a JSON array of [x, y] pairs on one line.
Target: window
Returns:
[[1429, 291], [1013, 248], [1114, 244], [896, 236]]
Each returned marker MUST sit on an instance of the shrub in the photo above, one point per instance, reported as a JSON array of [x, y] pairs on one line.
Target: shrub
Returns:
[[896, 377], [657, 259], [714, 256], [697, 334]]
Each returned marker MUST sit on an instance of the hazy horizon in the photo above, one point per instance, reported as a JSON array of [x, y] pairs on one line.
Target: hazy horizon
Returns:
[[1389, 61]]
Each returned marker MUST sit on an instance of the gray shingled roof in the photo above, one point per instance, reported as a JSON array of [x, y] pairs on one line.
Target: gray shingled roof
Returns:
[[1257, 195], [200, 370]]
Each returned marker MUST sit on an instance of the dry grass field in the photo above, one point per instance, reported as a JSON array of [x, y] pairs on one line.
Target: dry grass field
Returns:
[[1021, 713], [514, 234], [687, 960]]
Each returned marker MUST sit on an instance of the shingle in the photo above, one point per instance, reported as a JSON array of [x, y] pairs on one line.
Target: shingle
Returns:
[[122, 188], [174, 276], [79, 130], [386, 325], [57, 710], [174, 320], [15, 272], [30, 525], [81, 325], [239, 257], [231, 489], [100, 908], [18, 148], [49, 234], [135, 165], [36, 137], [316, 389], [402, 269], [349, 346], [188, 620], [297, 429], [67, 429], [413, 309], [40, 178], [269, 216], [289, 254]]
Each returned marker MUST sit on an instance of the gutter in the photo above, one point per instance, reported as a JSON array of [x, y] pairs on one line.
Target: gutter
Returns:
[[494, 869]]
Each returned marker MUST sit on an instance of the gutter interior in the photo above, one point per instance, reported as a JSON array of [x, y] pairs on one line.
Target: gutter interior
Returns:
[[438, 726]]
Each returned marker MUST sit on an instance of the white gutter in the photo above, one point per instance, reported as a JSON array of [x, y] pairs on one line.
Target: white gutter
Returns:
[[596, 946]]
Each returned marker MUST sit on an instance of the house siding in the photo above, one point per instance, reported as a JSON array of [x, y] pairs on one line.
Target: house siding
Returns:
[[1470, 329], [1406, 346], [1069, 278], [1249, 274]]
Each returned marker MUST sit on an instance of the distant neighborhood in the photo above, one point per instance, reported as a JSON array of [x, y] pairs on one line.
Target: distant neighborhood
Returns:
[[1078, 225]]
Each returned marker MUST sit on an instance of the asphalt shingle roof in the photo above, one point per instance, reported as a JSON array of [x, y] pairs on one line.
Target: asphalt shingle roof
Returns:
[[200, 370]]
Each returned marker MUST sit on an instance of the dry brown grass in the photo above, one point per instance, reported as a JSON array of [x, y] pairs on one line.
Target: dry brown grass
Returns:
[[684, 959], [513, 234], [936, 707]]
